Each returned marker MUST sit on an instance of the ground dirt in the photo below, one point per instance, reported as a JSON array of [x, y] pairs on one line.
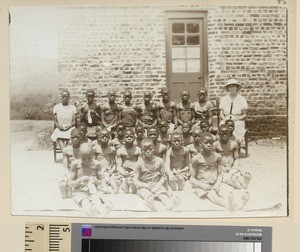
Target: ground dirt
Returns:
[[35, 179]]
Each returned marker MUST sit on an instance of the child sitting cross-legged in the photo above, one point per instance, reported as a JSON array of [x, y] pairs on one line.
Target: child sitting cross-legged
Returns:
[[150, 177], [177, 162], [127, 157], [86, 179], [206, 178], [107, 155], [229, 152]]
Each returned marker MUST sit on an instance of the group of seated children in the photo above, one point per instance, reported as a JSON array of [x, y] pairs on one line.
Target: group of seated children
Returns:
[[152, 151]]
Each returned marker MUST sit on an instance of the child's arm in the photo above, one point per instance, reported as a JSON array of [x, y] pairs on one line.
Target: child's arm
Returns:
[[103, 117], [119, 162], [74, 181], [220, 174], [174, 111], [178, 114], [197, 165], [186, 161], [168, 163], [66, 160]]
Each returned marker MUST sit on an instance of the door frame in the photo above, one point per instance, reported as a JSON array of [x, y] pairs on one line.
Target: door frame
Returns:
[[186, 14]]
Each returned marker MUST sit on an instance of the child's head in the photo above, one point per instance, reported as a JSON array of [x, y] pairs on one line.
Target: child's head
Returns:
[[223, 132], [120, 129], [204, 125], [128, 136], [90, 95], [103, 136], [139, 131], [202, 93], [98, 129], [83, 130], [163, 126], [75, 137], [176, 140], [206, 141], [185, 128], [147, 147], [127, 96], [165, 94], [147, 96], [65, 96], [111, 95], [185, 95], [196, 134], [230, 124], [153, 133], [86, 153]]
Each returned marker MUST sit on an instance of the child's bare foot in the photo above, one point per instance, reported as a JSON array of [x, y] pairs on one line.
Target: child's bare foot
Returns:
[[93, 211], [244, 199], [174, 202], [107, 208], [247, 178], [151, 204], [231, 206], [117, 187]]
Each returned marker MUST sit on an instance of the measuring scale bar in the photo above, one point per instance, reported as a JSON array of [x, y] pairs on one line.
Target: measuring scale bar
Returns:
[[78, 237]]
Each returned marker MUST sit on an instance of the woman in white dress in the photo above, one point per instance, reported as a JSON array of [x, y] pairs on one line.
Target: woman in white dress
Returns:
[[234, 106]]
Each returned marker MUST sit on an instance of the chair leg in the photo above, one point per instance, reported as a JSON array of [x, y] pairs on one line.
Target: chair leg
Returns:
[[54, 152]]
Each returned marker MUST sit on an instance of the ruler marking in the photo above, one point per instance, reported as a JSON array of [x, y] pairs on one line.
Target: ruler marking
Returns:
[[28, 232], [29, 240]]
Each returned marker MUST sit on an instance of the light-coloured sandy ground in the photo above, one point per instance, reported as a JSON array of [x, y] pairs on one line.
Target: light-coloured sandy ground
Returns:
[[35, 179]]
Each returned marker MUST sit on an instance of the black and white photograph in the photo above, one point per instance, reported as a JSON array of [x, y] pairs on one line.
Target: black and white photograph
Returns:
[[176, 111]]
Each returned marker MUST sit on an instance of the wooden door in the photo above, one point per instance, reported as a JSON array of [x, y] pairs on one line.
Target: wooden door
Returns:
[[186, 53]]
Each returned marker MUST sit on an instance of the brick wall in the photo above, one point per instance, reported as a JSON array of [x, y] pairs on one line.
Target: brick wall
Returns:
[[250, 44], [124, 47], [101, 48]]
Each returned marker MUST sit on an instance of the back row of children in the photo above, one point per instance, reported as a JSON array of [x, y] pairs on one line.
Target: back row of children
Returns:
[[148, 113], [143, 165]]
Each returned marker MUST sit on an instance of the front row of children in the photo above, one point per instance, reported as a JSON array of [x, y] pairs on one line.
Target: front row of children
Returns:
[[152, 168]]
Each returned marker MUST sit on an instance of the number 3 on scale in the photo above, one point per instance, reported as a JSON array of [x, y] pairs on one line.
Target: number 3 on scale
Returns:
[[281, 1]]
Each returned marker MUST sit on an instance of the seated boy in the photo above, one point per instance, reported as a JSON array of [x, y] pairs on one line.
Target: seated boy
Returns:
[[164, 135], [83, 133], [204, 126], [166, 109], [231, 127], [117, 142], [85, 178], [206, 177], [127, 157], [186, 134], [185, 112], [195, 147], [147, 112], [110, 113], [149, 178], [107, 155], [140, 134], [159, 149], [177, 162], [202, 108], [70, 154], [229, 152], [90, 113], [128, 114]]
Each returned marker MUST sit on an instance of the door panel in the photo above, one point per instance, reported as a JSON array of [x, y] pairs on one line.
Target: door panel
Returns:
[[186, 55]]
